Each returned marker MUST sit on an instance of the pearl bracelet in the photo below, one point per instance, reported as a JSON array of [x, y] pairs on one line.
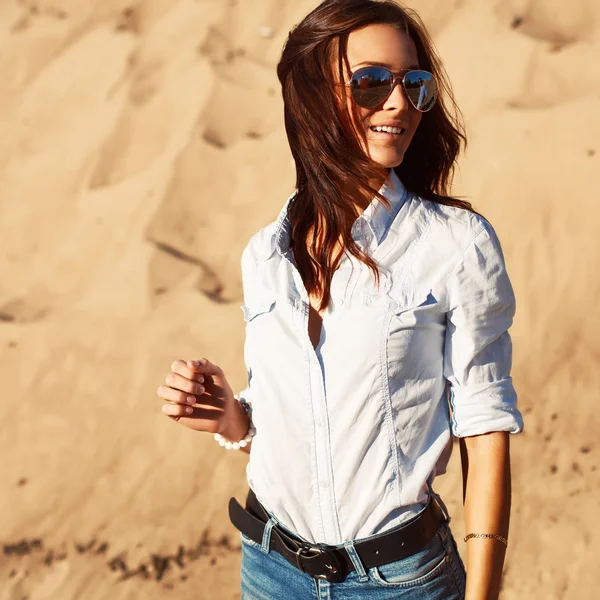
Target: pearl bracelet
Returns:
[[247, 438]]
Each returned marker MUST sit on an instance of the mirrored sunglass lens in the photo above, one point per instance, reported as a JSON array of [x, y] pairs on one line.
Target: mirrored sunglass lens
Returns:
[[370, 86], [421, 89]]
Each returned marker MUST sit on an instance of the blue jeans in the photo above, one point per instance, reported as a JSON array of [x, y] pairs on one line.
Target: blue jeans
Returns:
[[434, 573]]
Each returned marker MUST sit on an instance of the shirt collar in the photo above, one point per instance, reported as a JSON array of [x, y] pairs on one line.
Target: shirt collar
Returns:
[[374, 220]]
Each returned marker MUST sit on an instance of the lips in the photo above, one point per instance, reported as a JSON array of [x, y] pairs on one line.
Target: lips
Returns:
[[388, 129]]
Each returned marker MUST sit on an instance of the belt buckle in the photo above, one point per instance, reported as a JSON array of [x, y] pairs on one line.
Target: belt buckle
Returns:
[[332, 565]]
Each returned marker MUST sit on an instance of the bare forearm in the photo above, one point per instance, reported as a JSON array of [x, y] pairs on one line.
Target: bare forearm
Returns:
[[487, 502]]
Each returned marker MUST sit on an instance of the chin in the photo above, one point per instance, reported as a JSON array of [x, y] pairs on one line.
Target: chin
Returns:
[[387, 159]]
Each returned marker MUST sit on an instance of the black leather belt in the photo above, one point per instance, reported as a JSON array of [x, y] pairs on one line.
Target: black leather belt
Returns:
[[333, 563]]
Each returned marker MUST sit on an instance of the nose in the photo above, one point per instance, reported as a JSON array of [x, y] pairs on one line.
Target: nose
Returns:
[[397, 99]]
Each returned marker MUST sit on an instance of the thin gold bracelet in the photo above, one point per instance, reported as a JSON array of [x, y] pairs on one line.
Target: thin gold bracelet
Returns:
[[487, 535]]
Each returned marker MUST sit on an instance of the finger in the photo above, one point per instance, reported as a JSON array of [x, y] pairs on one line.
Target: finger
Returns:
[[204, 366], [183, 399], [181, 368], [168, 393], [177, 410], [179, 382]]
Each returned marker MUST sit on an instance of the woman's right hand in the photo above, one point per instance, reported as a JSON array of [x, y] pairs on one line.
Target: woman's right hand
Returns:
[[202, 387]]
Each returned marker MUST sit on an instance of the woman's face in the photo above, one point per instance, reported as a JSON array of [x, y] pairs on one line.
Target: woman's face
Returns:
[[386, 45]]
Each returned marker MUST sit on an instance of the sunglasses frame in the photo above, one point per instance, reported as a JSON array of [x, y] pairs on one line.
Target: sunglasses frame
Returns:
[[395, 79]]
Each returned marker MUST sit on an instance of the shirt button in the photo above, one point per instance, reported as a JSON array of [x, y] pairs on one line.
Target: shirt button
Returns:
[[318, 423], [324, 484]]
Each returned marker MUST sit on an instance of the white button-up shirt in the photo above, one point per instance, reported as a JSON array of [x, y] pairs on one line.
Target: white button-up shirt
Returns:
[[350, 436]]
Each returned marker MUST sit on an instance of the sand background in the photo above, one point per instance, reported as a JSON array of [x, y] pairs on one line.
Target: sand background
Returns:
[[141, 145]]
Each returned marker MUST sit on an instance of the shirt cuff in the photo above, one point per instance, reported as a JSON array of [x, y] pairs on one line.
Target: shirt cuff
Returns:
[[482, 408]]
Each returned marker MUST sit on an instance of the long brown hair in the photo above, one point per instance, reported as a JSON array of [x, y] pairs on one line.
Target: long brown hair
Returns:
[[327, 152]]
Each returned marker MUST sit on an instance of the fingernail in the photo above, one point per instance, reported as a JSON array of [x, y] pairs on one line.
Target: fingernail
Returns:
[[191, 399], [196, 363], [189, 410]]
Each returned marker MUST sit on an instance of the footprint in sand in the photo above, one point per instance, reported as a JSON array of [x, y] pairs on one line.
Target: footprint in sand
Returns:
[[554, 21], [25, 310], [242, 81], [245, 101]]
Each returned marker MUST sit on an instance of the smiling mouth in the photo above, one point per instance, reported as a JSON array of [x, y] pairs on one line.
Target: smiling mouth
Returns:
[[388, 131]]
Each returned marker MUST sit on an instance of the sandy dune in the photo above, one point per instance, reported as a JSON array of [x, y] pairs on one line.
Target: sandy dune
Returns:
[[141, 145]]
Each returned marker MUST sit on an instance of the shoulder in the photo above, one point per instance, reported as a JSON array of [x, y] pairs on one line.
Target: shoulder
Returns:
[[260, 245], [468, 245], [257, 249], [452, 227]]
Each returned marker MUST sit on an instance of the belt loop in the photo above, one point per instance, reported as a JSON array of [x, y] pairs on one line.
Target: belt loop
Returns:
[[353, 554], [438, 499], [266, 540]]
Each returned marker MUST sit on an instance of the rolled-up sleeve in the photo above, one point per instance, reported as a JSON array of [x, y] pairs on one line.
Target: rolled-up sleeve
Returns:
[[478, 347]]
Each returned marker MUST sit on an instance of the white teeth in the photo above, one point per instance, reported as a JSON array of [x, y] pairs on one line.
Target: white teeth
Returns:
[[396, 130]]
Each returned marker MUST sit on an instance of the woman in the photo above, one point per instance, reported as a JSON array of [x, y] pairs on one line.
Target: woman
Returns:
[[377, 310]]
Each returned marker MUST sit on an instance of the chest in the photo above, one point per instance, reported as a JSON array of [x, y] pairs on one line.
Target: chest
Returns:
[[361, 317], [404, 313]]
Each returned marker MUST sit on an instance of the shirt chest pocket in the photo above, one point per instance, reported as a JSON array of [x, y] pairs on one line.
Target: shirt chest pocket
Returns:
[[416, 310], [412, 319], [260, 328], [401, 301], [257, 307], [415, 334], [420, 303]]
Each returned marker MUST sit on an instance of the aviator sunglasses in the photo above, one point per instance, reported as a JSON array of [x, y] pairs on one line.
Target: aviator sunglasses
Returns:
[[371, 86]]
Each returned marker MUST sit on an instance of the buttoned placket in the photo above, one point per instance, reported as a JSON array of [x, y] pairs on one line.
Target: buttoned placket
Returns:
[[300, 304], [323, 475]]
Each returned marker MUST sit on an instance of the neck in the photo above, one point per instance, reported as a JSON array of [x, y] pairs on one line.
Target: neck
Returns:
[[375, 184]]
